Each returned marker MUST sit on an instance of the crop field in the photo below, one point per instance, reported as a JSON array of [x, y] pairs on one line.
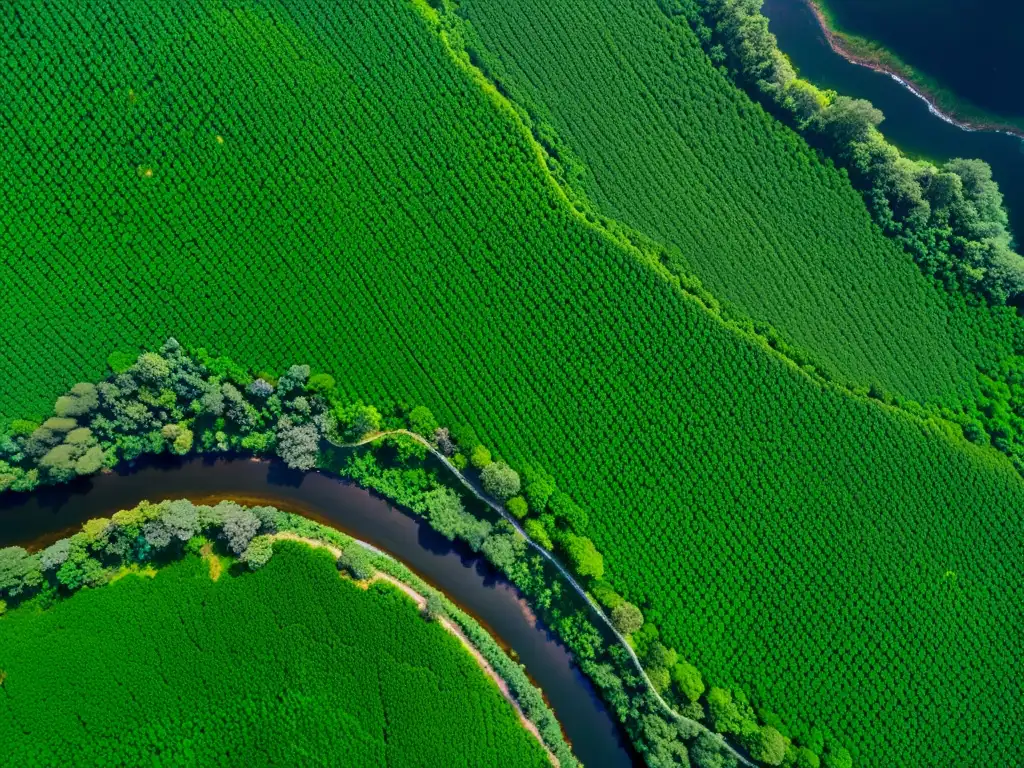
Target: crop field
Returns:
[[364, 206], [289, 665], [672, 148]]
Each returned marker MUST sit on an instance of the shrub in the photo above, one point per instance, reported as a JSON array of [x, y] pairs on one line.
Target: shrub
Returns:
[[258, 553], [627, 618], [422, 421], [355, 560], [480, 457], [688, 679], [517, 507], [583, 556], [500, 480]]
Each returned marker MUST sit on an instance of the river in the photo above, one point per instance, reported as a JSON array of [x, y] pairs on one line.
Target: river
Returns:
[[34, 520], [909, 123]]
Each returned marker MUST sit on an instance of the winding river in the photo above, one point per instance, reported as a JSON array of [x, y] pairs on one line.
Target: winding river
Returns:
[[37, 519], [909, 123]]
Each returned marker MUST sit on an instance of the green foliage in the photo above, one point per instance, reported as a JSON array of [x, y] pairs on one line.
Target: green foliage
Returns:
[[583, 555], [120, 362], [422, 421], [538, 486], [688, 679], [736, 197], [356, 421], [480, 457], [739, 478], [375, 666], [766, 745], [321, 384], [535, 530], [838, 758], [627, 618], [726, 715], [517, 507], [355, 560], [258, 553], [500, 480]]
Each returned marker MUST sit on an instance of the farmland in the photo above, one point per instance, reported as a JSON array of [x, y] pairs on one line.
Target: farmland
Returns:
[[671, 147], [287, 664], [364, 206]]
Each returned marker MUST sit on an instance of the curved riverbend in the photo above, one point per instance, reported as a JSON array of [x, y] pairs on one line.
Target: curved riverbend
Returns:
[[36, 519], [911, 123]]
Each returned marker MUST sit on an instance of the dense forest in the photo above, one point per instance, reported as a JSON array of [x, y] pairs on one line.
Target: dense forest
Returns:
[[783, 424]]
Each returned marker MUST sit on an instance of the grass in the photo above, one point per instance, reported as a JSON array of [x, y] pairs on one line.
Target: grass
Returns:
[[289, 665]]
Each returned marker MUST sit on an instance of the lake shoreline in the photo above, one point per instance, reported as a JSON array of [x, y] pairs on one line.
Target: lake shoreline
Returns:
[[840, 46]]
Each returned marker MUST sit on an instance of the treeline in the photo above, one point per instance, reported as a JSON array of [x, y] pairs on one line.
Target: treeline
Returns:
[[950, 217], [179, 403]]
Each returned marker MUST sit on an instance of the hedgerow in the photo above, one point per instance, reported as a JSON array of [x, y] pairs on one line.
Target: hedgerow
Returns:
[[283, 665]]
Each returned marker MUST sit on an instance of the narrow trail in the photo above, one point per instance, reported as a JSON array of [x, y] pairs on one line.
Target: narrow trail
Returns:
[[597, 610], [448, 624]]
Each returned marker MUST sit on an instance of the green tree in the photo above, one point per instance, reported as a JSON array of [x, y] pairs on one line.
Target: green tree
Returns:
[[321, 384], [150, 368], [357, 421], [627, 618], [422, 421], [517, 507], [838, 757], [445, 511], [847, 120], [91, 461], [480, 457], [59, 463], [500, 480], [19, 571], [535, 530], [725, 715], [583, 556], [688, 679], [766, 745], [355, 560], [538, 486], [82, 399], [258, 553]]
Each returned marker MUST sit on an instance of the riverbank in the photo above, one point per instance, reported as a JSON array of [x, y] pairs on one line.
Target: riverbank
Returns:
[[864, 54], [449, 626]]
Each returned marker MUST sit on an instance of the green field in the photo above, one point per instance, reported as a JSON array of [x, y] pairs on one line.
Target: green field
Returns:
[[289, 665], [672, 148], [363, 206]]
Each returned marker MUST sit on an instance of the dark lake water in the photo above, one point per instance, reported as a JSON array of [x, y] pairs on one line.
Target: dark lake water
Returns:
[[37, 519], [969, 47], [908, 122]]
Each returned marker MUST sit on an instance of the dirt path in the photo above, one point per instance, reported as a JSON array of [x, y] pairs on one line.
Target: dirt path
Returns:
[[449, 625]]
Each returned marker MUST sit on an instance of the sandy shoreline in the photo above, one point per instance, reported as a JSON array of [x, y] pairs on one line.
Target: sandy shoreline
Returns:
[[836, 42]]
